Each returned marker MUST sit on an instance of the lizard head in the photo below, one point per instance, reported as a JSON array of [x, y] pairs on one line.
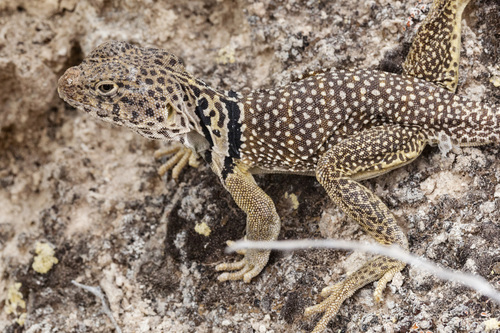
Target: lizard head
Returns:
[[141, 88]]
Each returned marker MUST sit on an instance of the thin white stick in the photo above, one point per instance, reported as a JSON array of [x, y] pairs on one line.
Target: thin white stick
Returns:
[[99, 294], [474, 282]]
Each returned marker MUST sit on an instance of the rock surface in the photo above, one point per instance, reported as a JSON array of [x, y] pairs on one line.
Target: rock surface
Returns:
[[91, 191]]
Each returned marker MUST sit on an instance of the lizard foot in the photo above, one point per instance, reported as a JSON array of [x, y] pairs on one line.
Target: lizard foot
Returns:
[[336, 295], [380, 268], [177, 162], [247, 268]]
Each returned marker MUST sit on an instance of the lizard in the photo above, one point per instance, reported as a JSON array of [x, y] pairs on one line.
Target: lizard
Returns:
[[341, 126]]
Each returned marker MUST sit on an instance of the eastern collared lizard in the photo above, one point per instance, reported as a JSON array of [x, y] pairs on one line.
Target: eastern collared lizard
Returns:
[[341, 126]]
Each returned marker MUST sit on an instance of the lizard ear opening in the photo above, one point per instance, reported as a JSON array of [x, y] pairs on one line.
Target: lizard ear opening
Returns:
[[170, 112], [106, 88]]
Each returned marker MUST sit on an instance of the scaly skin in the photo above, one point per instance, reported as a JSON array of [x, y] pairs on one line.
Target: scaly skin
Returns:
[[341, 126]]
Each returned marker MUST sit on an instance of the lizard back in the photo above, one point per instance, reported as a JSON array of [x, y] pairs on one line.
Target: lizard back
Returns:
[[288, 129]]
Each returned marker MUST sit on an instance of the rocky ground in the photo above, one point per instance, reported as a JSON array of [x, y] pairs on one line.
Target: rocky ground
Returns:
[[82, 200]]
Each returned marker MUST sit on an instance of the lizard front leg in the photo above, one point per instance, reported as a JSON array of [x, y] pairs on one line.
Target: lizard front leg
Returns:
[[263, 224], [368, 154], [177, 162]]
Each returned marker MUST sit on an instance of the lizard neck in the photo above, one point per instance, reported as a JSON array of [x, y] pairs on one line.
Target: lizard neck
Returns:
[[219, 117]]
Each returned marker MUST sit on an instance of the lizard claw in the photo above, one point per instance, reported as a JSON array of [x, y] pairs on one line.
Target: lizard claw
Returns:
[[379, 268], [336, 295], [247, 268], [230, 243], [177, 162]]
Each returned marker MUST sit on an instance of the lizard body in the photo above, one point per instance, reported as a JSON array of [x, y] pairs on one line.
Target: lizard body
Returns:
[[338, 125], [288, 129]]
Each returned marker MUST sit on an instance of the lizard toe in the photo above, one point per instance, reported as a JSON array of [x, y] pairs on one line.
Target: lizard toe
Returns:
[[233, 276], [247, 268], [182, 156], [329, 307]]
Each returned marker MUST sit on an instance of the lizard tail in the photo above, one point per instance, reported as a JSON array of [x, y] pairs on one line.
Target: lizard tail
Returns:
[[470, 123]]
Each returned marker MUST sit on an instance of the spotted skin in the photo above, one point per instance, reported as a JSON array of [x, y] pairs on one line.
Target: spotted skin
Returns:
[[303, 120], [338, 125], [438, 61]]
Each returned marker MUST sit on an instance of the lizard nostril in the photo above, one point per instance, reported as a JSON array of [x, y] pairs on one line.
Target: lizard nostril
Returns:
[[68, 81]]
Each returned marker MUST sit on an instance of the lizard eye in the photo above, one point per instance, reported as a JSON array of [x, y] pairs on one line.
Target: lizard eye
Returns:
[[106, 88]]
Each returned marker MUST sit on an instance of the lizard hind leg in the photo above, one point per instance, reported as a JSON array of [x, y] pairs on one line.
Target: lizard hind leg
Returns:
[[371, 152], [435, 52]]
